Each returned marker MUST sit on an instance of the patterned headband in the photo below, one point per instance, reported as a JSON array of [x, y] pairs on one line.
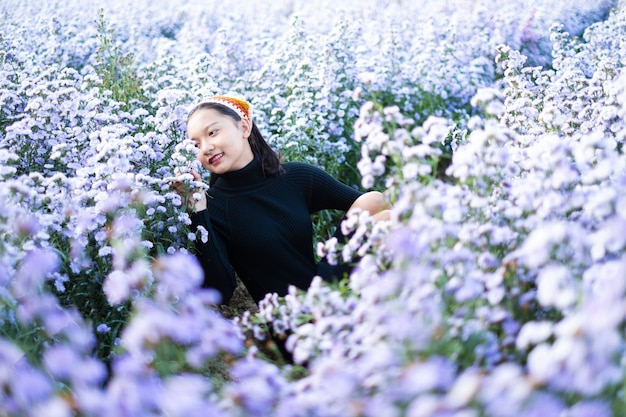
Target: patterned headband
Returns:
[[241, 107]]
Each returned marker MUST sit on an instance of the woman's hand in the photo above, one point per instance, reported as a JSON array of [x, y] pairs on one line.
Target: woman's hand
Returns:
[[193, 197]]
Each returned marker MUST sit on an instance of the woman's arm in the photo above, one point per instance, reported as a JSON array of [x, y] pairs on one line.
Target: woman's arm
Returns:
[[211, 253], [374, 203], [323, 191]]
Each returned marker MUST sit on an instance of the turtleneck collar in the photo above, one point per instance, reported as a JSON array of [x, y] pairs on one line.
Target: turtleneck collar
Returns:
[[246, 177]]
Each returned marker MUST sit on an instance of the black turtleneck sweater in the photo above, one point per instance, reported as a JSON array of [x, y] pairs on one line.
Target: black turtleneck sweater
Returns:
[[262, 227]]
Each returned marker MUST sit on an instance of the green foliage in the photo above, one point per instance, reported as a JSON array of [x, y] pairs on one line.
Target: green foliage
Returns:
[[83, 291], [116, 69], [170, 359], [30, 339]]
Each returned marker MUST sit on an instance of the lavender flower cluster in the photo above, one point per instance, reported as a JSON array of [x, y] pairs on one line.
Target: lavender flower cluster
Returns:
[[495, 128]]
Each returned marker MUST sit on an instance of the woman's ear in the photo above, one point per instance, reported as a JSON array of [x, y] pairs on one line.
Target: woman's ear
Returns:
[[246, 128]]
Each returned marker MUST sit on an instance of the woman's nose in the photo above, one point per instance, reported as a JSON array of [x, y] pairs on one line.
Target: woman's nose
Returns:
[[206, 146]]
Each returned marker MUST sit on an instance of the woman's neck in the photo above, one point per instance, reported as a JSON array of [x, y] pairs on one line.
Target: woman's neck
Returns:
[[248, 176]]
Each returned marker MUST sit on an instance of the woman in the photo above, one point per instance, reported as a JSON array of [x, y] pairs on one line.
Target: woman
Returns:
[[258, 210]]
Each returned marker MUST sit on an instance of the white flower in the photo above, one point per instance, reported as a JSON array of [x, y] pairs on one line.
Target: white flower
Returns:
[[464, 389], [410, 170], [534, 332], [204, 234], [542, 363], [556, 287]]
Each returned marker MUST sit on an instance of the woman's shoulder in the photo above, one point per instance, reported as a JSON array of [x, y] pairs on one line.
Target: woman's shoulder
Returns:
[[299, 168], [304, 174]]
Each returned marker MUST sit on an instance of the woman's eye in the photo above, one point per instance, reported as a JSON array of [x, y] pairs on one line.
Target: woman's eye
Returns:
[[212, 132]]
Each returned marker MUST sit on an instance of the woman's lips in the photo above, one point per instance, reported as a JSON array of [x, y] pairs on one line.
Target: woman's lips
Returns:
[[216, 158]]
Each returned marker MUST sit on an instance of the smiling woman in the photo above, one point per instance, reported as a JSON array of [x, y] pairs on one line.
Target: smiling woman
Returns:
[[221, 138], [259, 216]]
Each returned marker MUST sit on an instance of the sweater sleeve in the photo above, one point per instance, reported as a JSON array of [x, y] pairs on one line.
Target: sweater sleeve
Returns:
[[218, 272], [323, 191]]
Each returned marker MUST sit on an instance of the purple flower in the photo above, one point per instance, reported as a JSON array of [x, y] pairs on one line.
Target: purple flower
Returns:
[[130, 395], [590, 409], [505, 390], [405, 242], [29, 386], [59, 281], [464, 389], [27, 226], [120, 285], [34, 268], [178, 274], [66, 364], [543, 405], [428, 376], [534, 332], [186, 396], [103, 328], [258, 385], [486, 260], [59, 361], [556, 286], [4, 276]]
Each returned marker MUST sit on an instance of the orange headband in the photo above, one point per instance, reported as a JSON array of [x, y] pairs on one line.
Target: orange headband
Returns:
[[241, 107]]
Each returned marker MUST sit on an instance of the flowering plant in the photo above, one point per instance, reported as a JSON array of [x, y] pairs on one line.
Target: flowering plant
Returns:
[[496, 129]]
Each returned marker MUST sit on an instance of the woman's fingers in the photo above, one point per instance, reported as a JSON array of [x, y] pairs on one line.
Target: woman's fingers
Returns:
[[193, 197]]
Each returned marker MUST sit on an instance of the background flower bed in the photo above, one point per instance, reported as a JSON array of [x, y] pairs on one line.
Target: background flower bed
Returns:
[[495, 128]]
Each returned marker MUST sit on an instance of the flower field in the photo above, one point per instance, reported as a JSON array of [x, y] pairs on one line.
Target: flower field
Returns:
[[496, 129]]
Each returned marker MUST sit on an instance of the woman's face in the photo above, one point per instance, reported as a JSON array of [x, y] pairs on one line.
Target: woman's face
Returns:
[[222, 141]]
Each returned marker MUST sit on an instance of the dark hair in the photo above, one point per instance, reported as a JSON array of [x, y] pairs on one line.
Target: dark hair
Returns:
[[269, 159]]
